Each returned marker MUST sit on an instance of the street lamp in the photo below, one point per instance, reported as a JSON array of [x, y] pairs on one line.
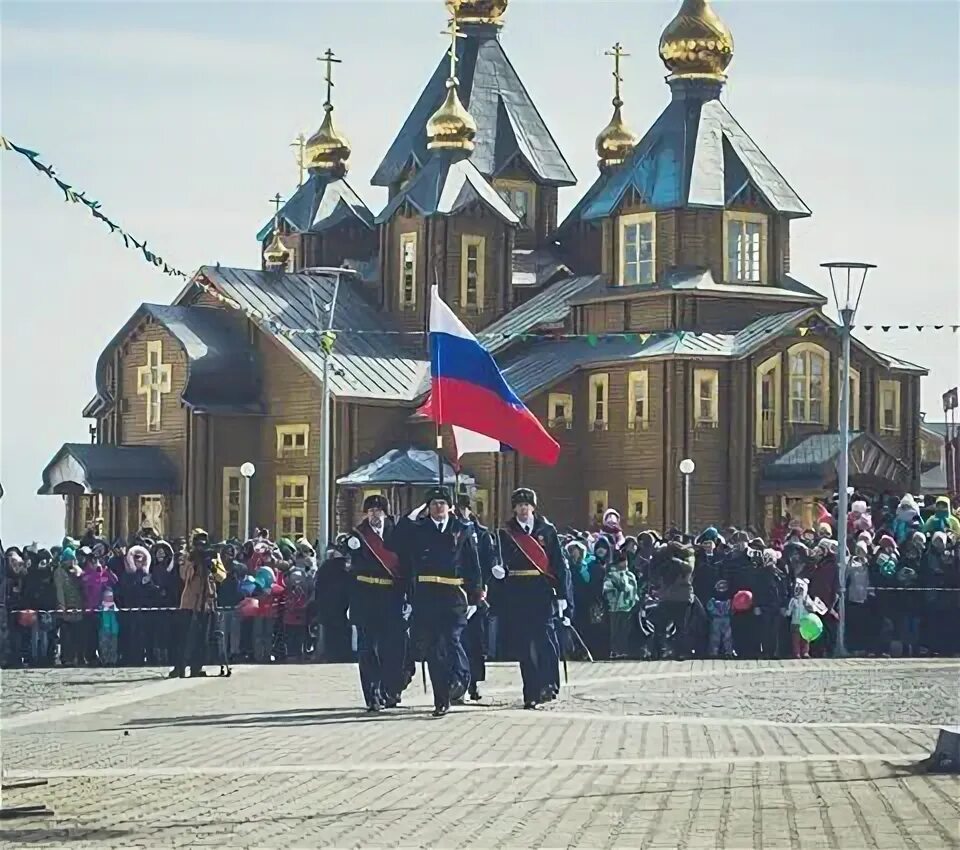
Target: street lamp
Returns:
[[248, 470], [687, 467], [846, 281]]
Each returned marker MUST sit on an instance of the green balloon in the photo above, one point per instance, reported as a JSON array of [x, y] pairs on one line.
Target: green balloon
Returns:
[[811, 627]]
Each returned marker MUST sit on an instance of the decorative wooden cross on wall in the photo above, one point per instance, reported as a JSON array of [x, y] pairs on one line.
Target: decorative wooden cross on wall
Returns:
[[153, 381]]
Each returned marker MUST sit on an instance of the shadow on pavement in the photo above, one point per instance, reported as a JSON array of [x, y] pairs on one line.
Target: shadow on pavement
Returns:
[[53, 835], [291, 717]]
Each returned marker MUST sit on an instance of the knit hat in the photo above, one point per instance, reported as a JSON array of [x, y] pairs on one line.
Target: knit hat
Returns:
[[709, 534], [67, 554], [286, 547], [887, 541], [859, 507], [909, 502]]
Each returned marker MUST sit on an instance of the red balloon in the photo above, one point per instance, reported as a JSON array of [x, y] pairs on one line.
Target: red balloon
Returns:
[[742, 601], [248, 607], [27, 618]]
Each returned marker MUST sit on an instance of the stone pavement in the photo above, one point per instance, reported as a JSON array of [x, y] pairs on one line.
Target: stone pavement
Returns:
[[657, 755]]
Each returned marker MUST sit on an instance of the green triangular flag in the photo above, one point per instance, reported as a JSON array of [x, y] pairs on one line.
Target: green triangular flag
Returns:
[[592, 340]]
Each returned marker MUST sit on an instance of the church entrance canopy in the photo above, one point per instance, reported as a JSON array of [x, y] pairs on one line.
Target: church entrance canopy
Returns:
[[84, 468], [404, 467]]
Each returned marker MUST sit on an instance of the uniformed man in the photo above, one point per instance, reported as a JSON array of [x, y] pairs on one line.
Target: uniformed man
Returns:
[[378, 603], [475, 634], [534, 576], [447, 587]]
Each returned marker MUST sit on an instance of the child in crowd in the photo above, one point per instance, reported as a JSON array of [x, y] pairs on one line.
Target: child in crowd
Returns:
[[108, 634], [620, 594], [798, 607], [719, 609]]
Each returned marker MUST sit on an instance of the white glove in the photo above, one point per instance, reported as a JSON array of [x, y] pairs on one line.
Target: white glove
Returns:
[[498, 572], [561, 606], [348, 615], [566, 621], [471, 610], [353, 544], [407, 611], [416, 511]]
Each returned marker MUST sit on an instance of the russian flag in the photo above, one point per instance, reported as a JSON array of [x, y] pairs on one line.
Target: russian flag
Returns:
[[469, 392]]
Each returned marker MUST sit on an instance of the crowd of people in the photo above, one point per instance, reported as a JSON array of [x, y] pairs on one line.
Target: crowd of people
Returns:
[[725, 593]]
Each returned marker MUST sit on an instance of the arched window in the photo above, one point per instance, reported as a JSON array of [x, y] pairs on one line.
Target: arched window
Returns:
[[809, 383]]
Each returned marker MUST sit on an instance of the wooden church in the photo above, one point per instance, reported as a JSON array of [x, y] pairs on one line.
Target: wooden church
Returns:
[[658, 321]]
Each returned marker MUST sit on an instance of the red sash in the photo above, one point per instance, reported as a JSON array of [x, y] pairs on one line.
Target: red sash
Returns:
[[534, 552], [388, 559]]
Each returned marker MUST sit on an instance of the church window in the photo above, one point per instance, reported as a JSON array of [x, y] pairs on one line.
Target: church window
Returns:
[[854, 396], [599, 401], [638, 243], [151, 513], [519, 196], [889, 407], [809, 383], [153, 381], [768, 391], [292, 505], [706, 397], [560, 410], [638, 505], [292, 440], [472, 272], [234, 504], [745, 235], [598, 502], [408, 270], [638, 413]]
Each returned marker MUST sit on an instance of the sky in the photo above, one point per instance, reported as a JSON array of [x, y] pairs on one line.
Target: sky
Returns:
[[178, 117]]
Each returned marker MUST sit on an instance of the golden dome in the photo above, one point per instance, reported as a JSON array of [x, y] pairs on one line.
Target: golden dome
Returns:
[[451, 127], [478, 11], [696, 43], [327, 149], [616, 140], [276, 253]]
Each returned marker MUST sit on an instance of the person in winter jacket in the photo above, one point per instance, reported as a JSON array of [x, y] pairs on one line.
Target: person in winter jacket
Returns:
[[798, 607], [108, 630], [907, 519], [620, 594], [590, 612], [942, 519], [719, 611], [69, 589], [770, 595], [40, 594], [96, 579], [610, 528], [678, 604]]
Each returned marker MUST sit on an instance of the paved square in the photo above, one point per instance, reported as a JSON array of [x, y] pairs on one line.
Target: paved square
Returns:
[[657, 755]]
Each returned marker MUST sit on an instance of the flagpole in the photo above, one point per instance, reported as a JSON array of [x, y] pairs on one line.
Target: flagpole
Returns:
[[439, 417]]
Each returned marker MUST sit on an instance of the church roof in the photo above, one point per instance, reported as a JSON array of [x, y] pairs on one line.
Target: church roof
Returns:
[[696, 154], [110, 469], [320, 203], [509, 126], [446, 185], [368, 360], [536, 267], [403, 466], [223, 370]]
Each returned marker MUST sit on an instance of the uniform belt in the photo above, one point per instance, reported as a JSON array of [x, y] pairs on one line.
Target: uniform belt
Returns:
[[375, 580], [454, 582], [525, 573]]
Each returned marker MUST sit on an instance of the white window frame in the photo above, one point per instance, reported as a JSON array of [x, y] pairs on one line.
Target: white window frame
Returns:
[[770, 438], [296, 433], [735, 223], [152, 518], [808, 350], [713, 419], [564, 401], [509, 190], [479, 245], [232, 474], [594, 499], [638, 390], [894, 386], [408, 240], [292, 505], [638, 220], [599, 397]]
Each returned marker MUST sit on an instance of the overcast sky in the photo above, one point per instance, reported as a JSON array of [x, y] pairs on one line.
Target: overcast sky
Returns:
[[177, 117]]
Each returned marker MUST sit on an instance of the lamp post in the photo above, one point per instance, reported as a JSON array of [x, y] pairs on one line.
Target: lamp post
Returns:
[[248, 470], [687, 467], [846, 281]]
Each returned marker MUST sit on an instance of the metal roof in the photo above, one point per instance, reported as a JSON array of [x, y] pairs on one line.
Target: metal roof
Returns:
[[445, 185], [695, 279], [696, 155], [547, 307], [223, 369], [319, 204], [761, 331], [403, 466], [901, 365], [536, 267], [367, 365], [104, 468], [509, 126]]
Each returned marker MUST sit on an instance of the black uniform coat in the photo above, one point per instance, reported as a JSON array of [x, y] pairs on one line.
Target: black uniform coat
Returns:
[[371, 603], [527, 601]]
